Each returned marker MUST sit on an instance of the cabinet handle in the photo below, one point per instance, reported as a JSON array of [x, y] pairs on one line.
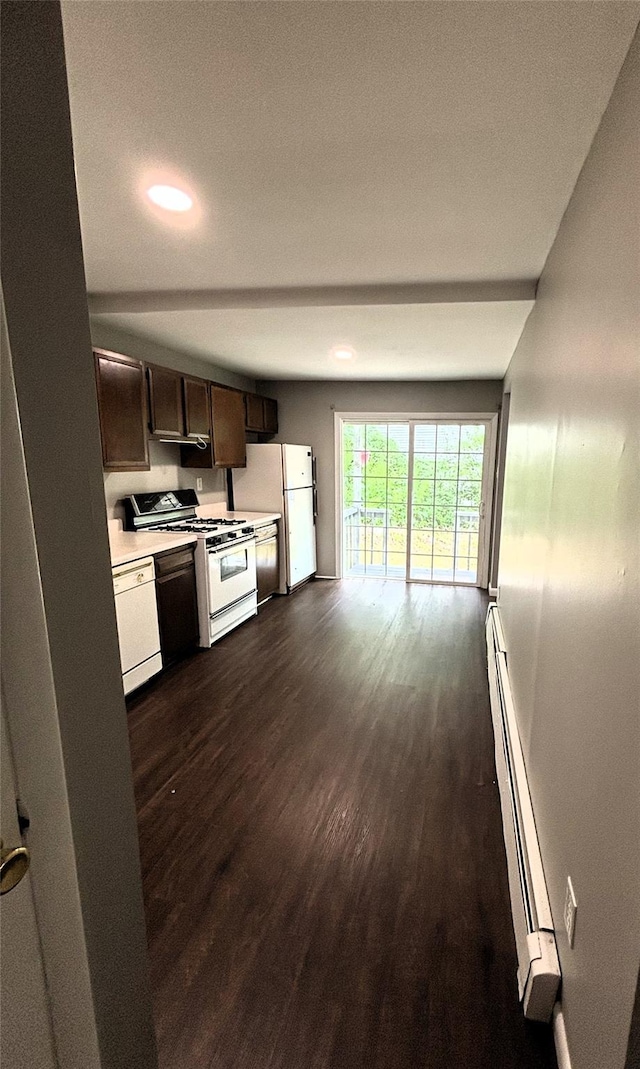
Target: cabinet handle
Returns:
[[173, 575]]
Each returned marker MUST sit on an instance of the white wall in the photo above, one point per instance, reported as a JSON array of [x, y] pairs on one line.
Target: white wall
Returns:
[[306, 416], [569, 585], [68, 719], [165, 473]]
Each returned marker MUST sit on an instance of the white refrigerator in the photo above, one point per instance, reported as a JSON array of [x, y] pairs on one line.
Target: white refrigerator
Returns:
[[280, 478]]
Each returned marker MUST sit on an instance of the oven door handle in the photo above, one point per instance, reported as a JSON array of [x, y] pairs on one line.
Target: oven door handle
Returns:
[[217, 551]]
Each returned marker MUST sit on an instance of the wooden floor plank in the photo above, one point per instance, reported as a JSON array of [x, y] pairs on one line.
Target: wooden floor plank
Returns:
[[320, 835]]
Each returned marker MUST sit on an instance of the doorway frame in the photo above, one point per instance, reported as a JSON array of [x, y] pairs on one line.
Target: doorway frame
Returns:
[[488, 480], [65, 708]]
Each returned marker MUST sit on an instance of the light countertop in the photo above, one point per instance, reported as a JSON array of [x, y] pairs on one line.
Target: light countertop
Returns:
[[126, 546]]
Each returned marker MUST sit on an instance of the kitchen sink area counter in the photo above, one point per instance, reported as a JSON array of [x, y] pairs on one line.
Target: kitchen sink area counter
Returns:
[[125, 546]]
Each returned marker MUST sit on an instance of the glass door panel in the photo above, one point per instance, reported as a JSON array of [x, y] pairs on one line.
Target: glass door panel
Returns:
[[446, 495], [375, 464]]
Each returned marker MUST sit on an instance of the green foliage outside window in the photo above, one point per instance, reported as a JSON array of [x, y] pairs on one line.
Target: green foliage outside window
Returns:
[[376, 474]]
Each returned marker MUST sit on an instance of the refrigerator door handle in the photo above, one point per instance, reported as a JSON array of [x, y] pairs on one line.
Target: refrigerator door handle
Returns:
[[315, 487]]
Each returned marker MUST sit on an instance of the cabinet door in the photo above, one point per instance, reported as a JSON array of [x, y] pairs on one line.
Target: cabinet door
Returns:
[[177, 604], [268, 572], [254, 412], [197, 420], [227, 408], [122, 403], [270, 413], [165, 402]]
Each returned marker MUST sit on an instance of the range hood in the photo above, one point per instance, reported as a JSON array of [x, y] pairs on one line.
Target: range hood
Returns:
[[198, 443]]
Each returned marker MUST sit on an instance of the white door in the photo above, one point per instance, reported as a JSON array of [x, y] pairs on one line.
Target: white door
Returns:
[[301, 535], [64, 707], [26, 1035], [298, 466]]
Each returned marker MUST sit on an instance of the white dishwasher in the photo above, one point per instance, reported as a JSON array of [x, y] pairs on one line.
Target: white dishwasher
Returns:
[[134, 589]]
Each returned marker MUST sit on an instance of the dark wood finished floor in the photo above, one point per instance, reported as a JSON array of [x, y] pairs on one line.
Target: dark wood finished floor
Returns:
[[321, 846]]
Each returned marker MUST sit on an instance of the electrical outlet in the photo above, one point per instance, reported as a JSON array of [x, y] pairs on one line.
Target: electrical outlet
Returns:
[[570, 910], [198, 484]]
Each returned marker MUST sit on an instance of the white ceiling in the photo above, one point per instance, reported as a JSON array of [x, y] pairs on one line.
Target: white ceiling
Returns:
[[333, 144], [412, 341]]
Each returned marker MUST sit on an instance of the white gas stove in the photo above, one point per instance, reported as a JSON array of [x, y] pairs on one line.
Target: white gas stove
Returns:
[[225, 557]]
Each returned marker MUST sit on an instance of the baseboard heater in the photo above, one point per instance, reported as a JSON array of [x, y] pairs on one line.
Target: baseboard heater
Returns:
[[538, 966]]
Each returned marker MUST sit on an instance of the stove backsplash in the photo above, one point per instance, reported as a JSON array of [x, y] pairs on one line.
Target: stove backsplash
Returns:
[[165, 473]]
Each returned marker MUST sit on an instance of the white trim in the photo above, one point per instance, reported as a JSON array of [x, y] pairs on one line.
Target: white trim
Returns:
[[406, 417], [538, 964], [338, 420], [563, 1055], [407, 553], [521, 786], [488, 478], [326, 576], [488, 488], [440, 582], [493, 591]]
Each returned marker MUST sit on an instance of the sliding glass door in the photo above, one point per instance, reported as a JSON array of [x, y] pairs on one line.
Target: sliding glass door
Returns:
[[413, 497]]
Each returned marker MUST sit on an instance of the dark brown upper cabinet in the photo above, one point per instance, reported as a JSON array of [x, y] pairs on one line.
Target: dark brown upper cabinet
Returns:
[[254, 412], [270, 413], [178, 405], [122, 403], [227, 411], [166, 410], [227, 446], [139, 402], [261, 414], [197, 420]]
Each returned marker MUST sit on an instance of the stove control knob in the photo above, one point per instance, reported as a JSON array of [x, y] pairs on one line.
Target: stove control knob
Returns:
[[247, 530]]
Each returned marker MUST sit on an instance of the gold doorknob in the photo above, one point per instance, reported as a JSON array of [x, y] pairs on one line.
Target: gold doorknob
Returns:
[[14, 863]]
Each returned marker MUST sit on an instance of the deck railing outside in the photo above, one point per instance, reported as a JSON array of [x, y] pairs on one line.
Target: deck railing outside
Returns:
[[371, 547]]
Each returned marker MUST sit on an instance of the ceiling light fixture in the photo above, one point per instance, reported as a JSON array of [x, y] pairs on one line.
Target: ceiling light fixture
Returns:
[[170, 198], [343, 352]]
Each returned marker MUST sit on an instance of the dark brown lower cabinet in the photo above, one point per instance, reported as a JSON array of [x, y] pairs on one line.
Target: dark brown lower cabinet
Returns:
[[177, 604], [267, 565]]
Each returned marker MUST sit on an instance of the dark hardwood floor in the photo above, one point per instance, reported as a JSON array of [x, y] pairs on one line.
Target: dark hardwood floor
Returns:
[[321, 842]]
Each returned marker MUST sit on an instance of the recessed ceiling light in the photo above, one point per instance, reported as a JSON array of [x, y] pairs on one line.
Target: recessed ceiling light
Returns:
[[343, 352], [170, 198]]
